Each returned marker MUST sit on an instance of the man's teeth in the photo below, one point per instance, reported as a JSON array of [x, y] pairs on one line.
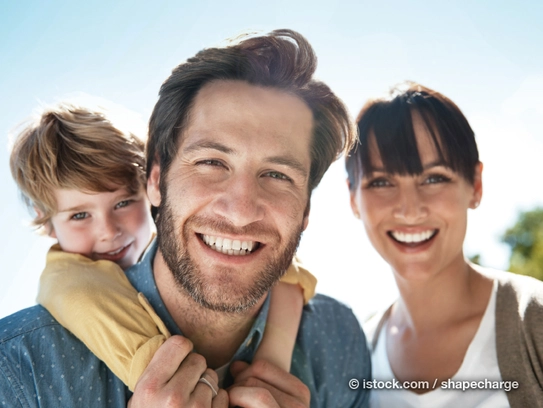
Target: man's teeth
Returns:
[[228, 246], [413, 238]]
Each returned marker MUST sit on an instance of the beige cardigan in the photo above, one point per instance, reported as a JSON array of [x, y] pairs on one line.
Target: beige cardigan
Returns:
[[519, 335]]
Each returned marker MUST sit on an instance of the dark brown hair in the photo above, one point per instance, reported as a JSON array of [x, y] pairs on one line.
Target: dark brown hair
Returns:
[[283, 59], [390, 121]]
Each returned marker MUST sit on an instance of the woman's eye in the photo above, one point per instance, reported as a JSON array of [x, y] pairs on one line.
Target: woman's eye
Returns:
[[436, 178], [379, 182], [123, 203], [79, 216], [278, 176]]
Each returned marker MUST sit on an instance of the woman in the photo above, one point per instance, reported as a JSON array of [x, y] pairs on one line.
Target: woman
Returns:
[[412, 178]]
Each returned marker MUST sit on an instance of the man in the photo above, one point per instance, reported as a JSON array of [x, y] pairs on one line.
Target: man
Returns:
[[239, 138]]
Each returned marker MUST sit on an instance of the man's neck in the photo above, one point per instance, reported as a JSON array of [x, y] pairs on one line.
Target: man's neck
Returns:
[[215, 335]]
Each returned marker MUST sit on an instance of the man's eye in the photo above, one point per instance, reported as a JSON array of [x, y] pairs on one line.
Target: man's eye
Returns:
[[436, 178], [379, 182], [123, 203], [278, 176], [79, 216], [210, 162]]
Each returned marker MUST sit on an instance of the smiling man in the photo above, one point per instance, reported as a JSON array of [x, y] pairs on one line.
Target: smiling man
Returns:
[[239, 138]]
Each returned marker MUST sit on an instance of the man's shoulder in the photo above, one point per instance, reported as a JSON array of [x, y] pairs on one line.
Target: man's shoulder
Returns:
[[327, 309], [29, 332], [331, 352], [328, 317], [25, 322], [42, 363]]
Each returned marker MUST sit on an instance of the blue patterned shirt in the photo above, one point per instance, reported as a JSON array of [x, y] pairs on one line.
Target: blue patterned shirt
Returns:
[[44, 365]]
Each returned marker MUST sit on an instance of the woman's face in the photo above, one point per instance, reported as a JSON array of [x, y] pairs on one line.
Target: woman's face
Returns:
[[417, 223]]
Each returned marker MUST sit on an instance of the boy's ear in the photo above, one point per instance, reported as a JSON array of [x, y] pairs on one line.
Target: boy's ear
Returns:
[[153, 186], [50, 230], [48, 226]]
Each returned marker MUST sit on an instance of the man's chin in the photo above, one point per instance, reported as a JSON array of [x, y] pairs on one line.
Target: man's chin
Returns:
[[226, 292]]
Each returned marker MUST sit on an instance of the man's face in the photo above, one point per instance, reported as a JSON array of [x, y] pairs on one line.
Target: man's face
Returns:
[[234, 202]]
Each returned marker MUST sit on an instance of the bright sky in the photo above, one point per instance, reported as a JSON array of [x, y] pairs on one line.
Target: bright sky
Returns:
[[487, 57]]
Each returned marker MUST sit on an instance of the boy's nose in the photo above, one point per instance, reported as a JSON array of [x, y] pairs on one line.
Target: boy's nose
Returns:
[[110, 229]]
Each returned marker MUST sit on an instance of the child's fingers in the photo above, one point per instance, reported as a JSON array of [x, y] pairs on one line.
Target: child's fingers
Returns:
[[166, 361]]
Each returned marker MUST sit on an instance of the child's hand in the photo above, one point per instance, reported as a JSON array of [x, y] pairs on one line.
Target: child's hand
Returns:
[[172, 379], [263, 384]]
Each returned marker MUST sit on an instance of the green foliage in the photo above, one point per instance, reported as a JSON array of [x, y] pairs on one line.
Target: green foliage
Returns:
[[526, 241], [476, 259]]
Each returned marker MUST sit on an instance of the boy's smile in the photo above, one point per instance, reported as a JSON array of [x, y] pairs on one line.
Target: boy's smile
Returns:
[[114, 226]]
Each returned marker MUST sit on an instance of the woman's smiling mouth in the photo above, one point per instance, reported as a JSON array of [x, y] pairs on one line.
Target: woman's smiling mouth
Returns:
[[413, 239]]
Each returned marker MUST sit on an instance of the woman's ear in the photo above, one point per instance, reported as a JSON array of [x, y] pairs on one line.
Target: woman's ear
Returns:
[[153, 186], [354, 200], [477, 186]]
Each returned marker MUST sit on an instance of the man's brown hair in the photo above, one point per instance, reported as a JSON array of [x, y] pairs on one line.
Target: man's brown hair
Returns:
[[72, 147], [282, 59]]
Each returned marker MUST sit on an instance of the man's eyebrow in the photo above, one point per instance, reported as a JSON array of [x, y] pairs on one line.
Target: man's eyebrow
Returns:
[[207, 145]]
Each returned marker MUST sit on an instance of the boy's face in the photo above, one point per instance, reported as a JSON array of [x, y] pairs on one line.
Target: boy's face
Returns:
[[114, 226]]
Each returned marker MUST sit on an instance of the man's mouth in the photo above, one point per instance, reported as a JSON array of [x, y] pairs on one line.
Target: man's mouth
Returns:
[[229, 246], [413, 239]]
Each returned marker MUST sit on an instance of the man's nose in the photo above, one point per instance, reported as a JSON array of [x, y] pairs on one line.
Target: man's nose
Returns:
[[241, 202], [410, 207]]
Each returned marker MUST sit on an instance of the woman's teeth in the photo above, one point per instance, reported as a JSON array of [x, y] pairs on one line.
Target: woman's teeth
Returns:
[[228, 246], [413, 238]]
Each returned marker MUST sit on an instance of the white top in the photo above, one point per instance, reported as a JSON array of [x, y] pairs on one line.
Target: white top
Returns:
[[480, 364]]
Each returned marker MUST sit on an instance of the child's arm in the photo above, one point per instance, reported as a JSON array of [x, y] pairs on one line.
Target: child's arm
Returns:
[[97, 303], [287, 299]]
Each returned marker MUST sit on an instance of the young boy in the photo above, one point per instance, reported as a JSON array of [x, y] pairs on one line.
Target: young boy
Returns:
[[85, 178]]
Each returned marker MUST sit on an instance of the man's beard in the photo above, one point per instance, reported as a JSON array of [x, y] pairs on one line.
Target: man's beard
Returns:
[[188, 277]]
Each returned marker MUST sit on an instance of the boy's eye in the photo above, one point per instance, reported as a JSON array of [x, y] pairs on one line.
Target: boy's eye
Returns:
[[436, 178], [379, 182], [79, 216], [277, 175], [123, 203]]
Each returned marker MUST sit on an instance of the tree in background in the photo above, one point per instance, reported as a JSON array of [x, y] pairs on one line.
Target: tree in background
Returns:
[[526, 241]]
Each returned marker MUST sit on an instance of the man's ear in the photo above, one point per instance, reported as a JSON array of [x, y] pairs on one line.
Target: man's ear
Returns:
[[153, 186], [477, 186], [306, 214]]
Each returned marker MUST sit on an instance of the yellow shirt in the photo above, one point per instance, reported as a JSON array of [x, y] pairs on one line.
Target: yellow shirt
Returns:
[[97, 303]]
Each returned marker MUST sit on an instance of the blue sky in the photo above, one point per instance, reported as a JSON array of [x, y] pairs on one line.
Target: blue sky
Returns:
[[485, 55]]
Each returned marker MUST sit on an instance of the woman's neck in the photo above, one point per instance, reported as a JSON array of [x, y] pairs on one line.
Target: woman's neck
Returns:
[[451, 295]]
